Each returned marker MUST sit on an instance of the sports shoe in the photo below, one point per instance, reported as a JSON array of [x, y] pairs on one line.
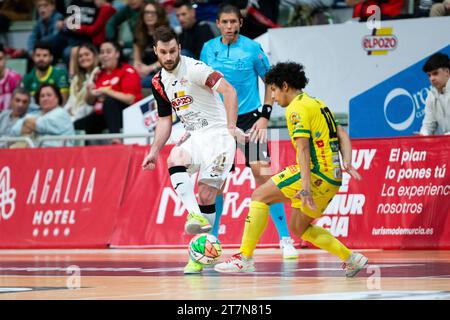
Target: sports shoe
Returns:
[[193, 267], [236, 263], [196, 223], [354, 264], [287, 246]]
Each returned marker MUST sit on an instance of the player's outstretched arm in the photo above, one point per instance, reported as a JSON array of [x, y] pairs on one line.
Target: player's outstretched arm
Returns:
[[162, 134], [231, 106], [304, 157], [345, 146]]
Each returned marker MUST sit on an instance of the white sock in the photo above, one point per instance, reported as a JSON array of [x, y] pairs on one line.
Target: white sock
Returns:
[[181, 183]]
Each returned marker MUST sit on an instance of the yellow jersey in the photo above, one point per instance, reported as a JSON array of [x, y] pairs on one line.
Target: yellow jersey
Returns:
[[308, 117]]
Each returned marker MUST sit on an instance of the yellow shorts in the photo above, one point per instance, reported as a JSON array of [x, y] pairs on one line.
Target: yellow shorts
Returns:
[[289, 182]]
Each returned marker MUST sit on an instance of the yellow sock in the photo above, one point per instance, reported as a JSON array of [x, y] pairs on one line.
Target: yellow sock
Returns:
[[255, 224], [324, 240]]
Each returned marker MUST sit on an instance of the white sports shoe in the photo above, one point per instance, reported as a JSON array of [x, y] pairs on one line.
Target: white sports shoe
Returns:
[[354, 264], [236, 263], [287, 246]]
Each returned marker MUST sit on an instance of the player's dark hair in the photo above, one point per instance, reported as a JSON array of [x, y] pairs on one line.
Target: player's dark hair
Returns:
[[436, 61], [55, 89], [164, 34], [290, 72], [43, 46], [228, 8], [2, 48], [181, 3]]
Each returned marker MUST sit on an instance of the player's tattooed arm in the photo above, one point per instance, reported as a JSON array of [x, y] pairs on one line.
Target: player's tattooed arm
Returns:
[[305, 172], [345, 147]]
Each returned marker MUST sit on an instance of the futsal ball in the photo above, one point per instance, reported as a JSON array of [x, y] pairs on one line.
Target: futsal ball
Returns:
[[205, 248]]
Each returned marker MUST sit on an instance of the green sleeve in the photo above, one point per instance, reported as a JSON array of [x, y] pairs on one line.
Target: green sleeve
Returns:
[[26, 82], [115, 21], [62, 81]]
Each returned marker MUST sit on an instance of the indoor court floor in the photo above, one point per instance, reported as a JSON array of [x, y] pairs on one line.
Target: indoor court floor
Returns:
[[135, 274]]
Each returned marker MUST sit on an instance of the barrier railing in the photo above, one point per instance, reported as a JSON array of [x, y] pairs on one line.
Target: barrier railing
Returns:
[[81, 137], [18, 139]]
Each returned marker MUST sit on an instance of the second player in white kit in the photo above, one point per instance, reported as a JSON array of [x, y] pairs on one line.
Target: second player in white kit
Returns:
[[191, 89]]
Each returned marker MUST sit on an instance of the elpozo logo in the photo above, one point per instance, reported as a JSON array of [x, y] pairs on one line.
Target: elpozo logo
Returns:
[[7, 195], [380, 42]]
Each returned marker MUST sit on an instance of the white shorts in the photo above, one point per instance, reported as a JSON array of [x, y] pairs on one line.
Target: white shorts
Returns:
[[212, 152]]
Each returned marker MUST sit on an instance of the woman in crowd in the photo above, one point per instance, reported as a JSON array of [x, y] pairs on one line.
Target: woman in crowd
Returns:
[[117, 86], [95, 31], [51, 119], [85, 68], [152, 16]]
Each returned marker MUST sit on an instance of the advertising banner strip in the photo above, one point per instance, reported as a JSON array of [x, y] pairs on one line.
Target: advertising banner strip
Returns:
[[100, 196], [61, 197]]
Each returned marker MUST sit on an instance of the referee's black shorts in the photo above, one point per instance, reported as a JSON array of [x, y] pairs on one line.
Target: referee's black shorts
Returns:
[[253, 151]]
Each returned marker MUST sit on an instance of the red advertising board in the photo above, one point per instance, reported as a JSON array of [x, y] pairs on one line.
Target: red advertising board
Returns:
[[60, 197], [403, 200], [95, 196]]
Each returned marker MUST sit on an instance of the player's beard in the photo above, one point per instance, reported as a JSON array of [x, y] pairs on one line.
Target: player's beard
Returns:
[[171, 66]]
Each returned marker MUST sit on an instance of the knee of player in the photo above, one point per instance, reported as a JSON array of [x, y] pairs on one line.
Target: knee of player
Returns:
[[259, 195], [206, 194], [175, 158]]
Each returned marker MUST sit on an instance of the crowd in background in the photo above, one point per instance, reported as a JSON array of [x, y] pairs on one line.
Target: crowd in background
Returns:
[[83, 71]]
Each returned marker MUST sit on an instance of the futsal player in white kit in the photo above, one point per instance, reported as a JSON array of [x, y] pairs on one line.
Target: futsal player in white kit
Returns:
[[191, 89]]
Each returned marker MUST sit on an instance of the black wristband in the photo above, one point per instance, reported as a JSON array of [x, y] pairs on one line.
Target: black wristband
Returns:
[[266, 111]]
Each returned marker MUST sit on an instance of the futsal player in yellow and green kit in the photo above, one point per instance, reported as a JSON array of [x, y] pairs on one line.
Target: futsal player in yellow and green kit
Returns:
[[311, 182]]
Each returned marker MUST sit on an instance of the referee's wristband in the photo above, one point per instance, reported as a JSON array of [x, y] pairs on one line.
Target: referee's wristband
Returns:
[[265, 111]]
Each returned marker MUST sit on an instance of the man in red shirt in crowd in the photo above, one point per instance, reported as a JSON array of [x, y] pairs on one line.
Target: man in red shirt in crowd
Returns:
[[389, 8]]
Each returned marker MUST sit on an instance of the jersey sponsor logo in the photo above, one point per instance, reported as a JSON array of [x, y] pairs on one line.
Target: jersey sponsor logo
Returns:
[[318, 182], [181, 103], [294, 118], [293, 168], [380, 42], [320, 143]]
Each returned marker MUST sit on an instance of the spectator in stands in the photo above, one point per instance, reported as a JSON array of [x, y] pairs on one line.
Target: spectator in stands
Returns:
[[79, 13], [95, 31], [86, 67], [437, 104], [389, 8], [46, 27], [117, 86], [52, 119], [44, 72], [17, 109], [194, 34], [146, 63], [440, 9], [308, 12], [9, 80], [17, 10], [258, 15], [129, 14]]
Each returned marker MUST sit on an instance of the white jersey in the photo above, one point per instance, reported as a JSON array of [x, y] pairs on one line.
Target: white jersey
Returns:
[[190, 91]]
